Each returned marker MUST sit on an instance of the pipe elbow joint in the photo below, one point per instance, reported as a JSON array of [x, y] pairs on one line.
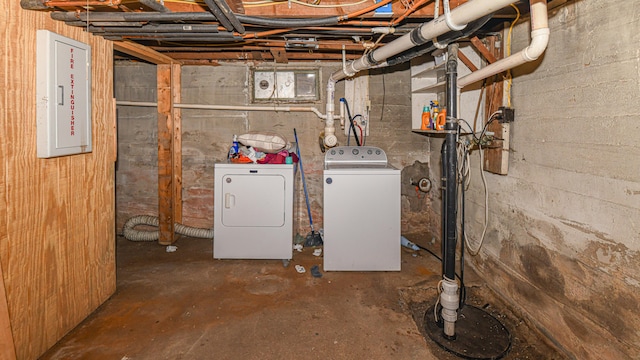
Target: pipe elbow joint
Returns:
[[330, 140], [539, 41]]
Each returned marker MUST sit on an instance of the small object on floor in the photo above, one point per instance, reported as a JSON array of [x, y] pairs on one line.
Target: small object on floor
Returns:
[[285, 262], [300, 269], [297, 247], [298, 239], [315, 271], [408, 244], [171, 248], [317, 252]]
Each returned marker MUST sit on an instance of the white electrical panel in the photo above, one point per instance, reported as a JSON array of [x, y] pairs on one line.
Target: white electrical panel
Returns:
[[63, 95]]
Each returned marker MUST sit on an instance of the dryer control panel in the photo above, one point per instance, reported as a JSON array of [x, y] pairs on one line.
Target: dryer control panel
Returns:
[[355, 155]]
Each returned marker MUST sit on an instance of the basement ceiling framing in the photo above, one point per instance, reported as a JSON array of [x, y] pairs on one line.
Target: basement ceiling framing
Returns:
[[208, 31]]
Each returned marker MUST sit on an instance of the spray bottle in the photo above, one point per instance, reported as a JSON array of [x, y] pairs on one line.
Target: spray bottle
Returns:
[[435, 107]]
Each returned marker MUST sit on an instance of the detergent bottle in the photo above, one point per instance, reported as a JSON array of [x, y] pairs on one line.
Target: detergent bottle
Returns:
[[441, 119], [426, 119]]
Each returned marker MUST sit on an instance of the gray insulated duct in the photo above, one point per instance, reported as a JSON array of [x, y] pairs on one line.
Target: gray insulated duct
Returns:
[[130, 233]]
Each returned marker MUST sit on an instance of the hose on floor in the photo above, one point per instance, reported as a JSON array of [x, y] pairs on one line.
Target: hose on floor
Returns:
[[151, 235]]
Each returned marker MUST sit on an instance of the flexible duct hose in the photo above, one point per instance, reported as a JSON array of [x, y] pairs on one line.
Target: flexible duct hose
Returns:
[[144, 235]]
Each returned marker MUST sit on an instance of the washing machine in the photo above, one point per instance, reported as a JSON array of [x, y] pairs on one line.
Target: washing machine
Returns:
[[361, 210], [253, 211]]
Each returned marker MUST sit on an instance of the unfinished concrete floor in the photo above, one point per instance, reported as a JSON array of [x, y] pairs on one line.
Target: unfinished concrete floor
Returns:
[[186, 305]]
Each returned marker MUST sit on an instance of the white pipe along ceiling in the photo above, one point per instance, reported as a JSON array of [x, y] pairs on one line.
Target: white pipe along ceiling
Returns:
[[429, 31]]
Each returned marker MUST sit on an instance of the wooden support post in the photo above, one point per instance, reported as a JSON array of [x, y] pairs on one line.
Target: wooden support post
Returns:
[[176, 88], [7, 347], [166, 198], [496, 158]]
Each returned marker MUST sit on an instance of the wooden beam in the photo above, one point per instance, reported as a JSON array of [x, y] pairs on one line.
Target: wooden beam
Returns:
[[465, 60], [486, 53], [176, 88], [7, 346], [280, 55], [212, 57], [166, 199], [142, 52]]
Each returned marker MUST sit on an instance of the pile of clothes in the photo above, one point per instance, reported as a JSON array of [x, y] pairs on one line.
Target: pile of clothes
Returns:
[[248, 155]]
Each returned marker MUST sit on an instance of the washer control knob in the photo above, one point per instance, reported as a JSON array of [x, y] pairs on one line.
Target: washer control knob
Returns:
[[378, 152], [341, 151], [369, 151], [329, 181], [333, 152], [355, 151]]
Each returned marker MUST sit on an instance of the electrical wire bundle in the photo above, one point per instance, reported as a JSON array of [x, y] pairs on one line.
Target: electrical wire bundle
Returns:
[[353, 124]]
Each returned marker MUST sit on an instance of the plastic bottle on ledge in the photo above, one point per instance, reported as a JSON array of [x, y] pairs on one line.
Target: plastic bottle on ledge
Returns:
[[441, 119], [426, 118], [435, 107], [236, 147]]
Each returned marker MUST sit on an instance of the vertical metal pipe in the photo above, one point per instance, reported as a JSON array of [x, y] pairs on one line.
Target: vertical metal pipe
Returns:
[[450, 297], [450, 164]]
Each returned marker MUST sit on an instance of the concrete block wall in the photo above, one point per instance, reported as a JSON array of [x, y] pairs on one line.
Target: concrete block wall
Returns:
[[564, 229], [207, 136]]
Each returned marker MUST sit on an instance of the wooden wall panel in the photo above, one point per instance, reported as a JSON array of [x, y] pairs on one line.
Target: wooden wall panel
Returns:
[[57, 231]]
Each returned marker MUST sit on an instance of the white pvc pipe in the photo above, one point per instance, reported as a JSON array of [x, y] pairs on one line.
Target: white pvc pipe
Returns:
[[229, 107], [539, 41], [462, 14]]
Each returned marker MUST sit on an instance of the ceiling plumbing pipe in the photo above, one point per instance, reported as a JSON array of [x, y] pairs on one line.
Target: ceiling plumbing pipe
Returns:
[[539, 41], [462, 14], [156, 28], [228, 13], [217, 12], [229, 107], [154, 5]]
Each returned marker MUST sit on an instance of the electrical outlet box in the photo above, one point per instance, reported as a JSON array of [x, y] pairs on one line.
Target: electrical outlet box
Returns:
[[508, 114], [63, 95]]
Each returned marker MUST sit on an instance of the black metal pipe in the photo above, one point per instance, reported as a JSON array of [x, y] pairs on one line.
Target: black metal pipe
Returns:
[[228, 13], [132, 16], [190, 16], [212, 39], [450, 165], [215, 10], [155, 6], [445, 39], [153, 28]]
